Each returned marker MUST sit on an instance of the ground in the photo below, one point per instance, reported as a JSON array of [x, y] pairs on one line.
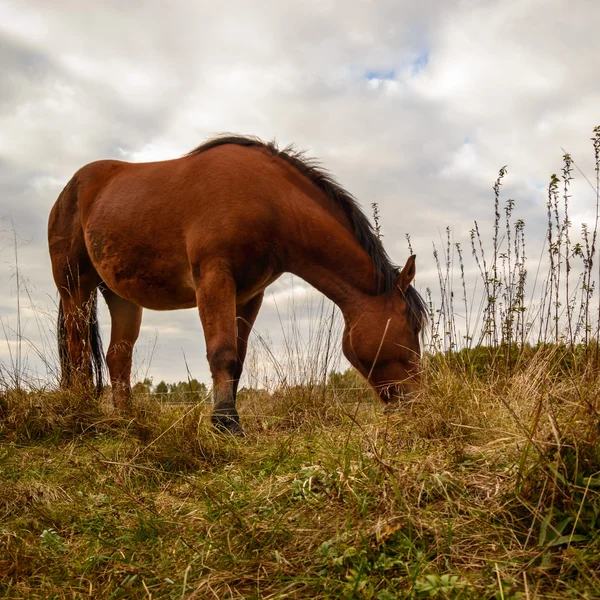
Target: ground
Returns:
[[487, 487]]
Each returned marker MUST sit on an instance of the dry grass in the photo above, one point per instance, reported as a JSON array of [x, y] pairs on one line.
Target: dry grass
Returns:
[[488, 487]]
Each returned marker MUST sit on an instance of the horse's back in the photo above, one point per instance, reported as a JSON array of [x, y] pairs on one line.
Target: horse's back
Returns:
[[226, 182], [228, 194]]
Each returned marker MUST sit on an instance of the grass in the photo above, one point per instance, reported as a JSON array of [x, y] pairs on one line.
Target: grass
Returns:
[[488, 487]]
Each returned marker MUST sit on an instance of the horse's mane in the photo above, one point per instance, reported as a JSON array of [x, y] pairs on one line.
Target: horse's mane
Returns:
[[361, 227]]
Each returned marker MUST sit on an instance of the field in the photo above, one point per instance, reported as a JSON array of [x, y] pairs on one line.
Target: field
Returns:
[[487, 486]]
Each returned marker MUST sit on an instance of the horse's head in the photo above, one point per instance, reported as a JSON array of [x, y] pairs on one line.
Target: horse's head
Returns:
[[382, 339]]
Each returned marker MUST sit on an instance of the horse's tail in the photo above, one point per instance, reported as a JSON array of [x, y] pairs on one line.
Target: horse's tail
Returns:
[[96, 366], [97, 358]]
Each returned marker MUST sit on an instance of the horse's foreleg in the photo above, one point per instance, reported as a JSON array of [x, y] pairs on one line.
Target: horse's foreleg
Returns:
[[246, 315], [126, 319], [216, 295]]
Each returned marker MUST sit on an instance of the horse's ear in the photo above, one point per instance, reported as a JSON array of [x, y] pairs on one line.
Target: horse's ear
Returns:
[[407, 274]]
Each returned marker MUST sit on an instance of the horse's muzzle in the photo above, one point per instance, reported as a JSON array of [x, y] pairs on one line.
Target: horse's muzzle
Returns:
[[398, 395]]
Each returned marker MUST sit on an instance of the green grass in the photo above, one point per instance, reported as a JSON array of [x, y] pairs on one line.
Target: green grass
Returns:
[[488, 487]]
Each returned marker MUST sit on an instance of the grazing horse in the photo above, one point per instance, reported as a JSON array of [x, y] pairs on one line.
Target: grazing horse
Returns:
[[212, 230]]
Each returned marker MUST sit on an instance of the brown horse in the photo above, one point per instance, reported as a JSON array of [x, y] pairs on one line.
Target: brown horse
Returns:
[[212, 230]]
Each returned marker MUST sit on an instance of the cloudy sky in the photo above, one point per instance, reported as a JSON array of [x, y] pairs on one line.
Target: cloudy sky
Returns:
[[413, 105]]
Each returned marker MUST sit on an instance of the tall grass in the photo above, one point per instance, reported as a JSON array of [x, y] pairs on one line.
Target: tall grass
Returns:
[[553, 302]]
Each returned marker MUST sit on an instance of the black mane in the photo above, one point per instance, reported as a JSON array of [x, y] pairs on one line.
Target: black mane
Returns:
[[361, 227]]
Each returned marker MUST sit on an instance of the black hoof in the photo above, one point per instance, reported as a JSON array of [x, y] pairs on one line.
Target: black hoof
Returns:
[[227, 421]]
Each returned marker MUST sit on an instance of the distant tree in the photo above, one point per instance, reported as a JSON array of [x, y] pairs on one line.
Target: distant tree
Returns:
[[183, 391], [162, 388], [197, 388], [348, 379], [142, 387]]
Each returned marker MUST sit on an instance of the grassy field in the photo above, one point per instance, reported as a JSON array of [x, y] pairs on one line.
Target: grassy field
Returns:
[[487, 487]]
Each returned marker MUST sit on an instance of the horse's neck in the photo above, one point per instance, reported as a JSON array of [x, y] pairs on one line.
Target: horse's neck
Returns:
[[331, 260]]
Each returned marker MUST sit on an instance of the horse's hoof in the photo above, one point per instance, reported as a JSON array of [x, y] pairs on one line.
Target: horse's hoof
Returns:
[[227, 421]]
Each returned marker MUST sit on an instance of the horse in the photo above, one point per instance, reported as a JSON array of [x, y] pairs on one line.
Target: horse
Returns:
[[211, 230]]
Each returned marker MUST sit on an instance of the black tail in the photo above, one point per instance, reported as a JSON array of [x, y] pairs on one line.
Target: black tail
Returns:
[[97, 362], [97, 359]]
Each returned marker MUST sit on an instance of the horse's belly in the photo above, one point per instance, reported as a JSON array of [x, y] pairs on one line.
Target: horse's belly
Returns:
[[150, 289], [155, 295], [143, 275]]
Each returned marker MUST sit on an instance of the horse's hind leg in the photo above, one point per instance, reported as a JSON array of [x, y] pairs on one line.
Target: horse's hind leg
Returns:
[[126, 319], [76, 346], [76, 280], [216, 294]]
